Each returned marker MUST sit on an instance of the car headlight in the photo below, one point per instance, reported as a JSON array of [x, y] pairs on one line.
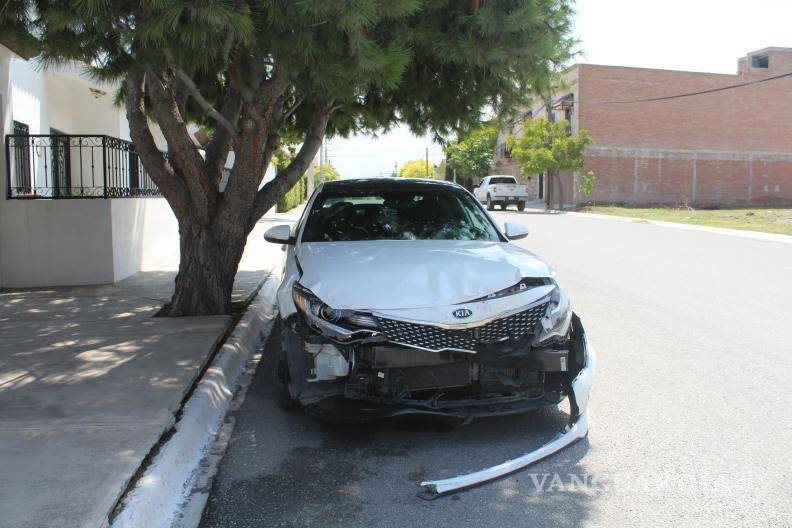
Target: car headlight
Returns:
[[308, 303], [555, 323]]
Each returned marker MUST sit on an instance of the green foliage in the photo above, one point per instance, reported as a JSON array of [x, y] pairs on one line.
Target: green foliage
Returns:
[[587, 184], [330, 174], [416, 169], [294, 196], [283, 157], [434, 65], [471, 156], [259, 73], [545, 146], [16, 28], [299, 192]]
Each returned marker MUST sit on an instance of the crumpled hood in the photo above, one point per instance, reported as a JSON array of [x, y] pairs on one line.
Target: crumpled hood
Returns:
[[396, 274]]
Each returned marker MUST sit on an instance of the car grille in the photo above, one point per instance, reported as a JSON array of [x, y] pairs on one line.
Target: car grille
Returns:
[[435, 338]]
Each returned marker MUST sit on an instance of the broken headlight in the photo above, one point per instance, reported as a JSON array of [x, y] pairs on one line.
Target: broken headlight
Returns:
[[308, 303], [555, 323]]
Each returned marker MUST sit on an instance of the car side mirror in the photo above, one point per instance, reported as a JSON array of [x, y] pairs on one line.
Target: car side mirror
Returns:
[[279, 234], [514, 231]]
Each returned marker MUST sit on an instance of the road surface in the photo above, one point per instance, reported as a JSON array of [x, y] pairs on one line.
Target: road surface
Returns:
[[691, 421]]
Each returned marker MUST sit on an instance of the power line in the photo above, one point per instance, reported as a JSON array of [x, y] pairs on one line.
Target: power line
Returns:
[[686, 94]]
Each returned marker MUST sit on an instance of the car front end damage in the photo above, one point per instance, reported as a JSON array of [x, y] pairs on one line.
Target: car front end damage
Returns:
[[524, 352], [346, 365]]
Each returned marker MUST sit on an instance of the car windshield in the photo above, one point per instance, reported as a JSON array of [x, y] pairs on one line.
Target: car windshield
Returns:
[[502, 179], [431, 213]]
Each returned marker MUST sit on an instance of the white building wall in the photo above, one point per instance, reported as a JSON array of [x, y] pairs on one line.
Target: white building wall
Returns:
[[74, 242], [5, 127], [71, 107], [145, 236], [55, 243]]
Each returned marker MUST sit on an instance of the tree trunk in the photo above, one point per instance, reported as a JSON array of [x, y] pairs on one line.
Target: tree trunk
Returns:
[[214, 225], [557, 177], [206, 272], [548, 190]]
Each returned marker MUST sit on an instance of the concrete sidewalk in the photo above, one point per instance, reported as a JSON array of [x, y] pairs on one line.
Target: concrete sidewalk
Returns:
[[89, 382]]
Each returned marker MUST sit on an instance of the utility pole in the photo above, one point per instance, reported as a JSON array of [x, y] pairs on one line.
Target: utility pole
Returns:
[[427, 162], [395, 168]]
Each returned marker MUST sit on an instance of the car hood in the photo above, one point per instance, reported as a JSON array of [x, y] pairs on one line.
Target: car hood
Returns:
[[397, 274]]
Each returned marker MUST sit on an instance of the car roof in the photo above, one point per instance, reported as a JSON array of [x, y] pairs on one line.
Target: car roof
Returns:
[[380, 183]]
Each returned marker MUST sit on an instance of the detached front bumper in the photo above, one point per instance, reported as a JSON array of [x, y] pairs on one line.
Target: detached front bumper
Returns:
[[576, 429]]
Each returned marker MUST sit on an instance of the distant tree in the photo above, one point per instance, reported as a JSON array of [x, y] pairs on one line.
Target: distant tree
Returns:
[[548, 147], [416, 169], [329, 172], [471, 155], [254, 72]]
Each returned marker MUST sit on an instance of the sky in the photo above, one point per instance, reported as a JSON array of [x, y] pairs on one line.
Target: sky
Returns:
[[694, 35]]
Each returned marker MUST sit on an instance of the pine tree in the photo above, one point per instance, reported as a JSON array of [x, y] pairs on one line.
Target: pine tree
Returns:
[[257, 73]]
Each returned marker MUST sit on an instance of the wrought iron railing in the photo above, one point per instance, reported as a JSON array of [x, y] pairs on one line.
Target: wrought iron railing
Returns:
[[59, 166]]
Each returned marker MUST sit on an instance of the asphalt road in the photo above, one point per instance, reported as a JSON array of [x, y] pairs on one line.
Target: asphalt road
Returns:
[[691, 420]]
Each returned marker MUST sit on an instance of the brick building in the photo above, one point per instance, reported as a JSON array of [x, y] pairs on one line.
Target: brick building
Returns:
[[727, 146]]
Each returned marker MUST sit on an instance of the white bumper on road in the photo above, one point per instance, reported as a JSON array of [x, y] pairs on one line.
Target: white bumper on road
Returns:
[[574, 431]]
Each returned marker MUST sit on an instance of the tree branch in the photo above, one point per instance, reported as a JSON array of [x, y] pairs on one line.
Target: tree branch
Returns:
[[268, 195], [216, 151], [294, 107], [201, 100], [171, 187], [184, 154]]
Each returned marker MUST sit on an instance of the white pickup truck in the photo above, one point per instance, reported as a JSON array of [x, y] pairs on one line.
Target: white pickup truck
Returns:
[[501, 190]]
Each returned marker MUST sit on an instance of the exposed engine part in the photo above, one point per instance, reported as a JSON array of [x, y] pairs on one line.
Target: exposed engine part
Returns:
[[440, 376], [329, 363], [385, 356], [496, 378]]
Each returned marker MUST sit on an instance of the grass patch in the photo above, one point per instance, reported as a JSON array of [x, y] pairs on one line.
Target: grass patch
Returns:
[[766, 220]]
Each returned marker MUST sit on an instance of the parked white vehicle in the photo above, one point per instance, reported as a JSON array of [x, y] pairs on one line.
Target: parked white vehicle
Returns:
[[404, 296], [502, 190]]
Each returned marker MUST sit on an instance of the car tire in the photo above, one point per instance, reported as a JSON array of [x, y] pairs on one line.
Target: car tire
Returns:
[[490, 205], [521, 206], [285, 399]]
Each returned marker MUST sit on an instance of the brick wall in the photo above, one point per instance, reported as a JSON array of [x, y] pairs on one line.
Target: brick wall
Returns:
[[752, 118], [685, 177], [732, 147]]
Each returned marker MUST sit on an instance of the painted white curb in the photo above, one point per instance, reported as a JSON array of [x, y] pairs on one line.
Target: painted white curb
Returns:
[[740, 233], [157, 499]]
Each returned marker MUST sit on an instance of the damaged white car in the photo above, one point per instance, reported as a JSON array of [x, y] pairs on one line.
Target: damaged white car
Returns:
[[404, 296]]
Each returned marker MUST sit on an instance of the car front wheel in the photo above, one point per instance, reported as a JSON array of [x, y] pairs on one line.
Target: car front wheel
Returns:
[[282, 367], [521, 206]]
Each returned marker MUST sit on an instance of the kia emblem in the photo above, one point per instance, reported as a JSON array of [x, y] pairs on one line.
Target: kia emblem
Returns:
[[462, 313]]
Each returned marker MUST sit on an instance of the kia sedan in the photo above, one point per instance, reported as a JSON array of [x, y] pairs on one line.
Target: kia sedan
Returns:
[[405, 297]]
